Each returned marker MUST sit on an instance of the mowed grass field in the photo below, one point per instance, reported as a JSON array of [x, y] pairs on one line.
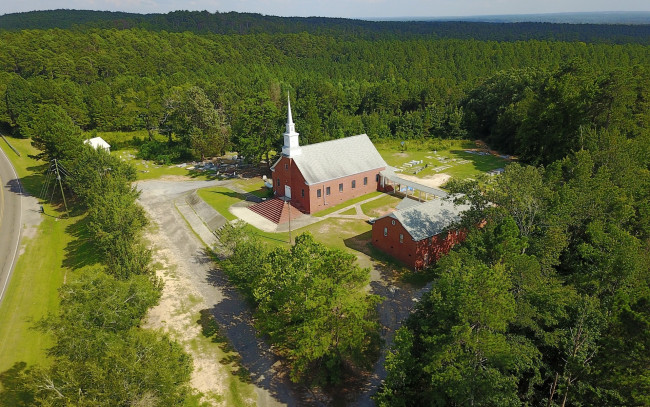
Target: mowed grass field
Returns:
[[439, 153], [39, 272], [150, 170], [344, 234], [221, 198], [341, 233], [434, 154]]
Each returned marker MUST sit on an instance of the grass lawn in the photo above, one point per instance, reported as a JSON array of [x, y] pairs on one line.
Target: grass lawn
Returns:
[[124, 145], [221, 199], [346, 204], [32, 294], [332, 232], [380, 206], [122, 139], [150, 170], [351, 211], [39, 272], [28, 169], [439, 153], [255, 186]]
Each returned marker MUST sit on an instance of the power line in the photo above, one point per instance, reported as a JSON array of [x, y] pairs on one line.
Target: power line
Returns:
[[58, 176]]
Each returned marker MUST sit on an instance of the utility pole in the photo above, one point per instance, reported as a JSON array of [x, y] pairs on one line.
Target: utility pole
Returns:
[[58, 176], [289, 201]]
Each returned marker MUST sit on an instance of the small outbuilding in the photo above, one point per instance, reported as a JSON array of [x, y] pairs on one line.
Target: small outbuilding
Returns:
[[418, 235], [98, 142]]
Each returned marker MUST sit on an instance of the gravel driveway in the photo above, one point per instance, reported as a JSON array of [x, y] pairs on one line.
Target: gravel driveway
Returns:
[[232, 313], [229, 309]]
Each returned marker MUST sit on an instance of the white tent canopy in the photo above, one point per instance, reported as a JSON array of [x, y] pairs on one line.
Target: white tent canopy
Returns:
[[98, 142]]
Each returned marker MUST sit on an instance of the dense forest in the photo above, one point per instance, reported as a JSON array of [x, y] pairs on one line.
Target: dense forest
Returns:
[[390, 88], [204, 22], [547, 304]]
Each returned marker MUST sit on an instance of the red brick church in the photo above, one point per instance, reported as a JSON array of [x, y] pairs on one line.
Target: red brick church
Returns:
[[317, 176]]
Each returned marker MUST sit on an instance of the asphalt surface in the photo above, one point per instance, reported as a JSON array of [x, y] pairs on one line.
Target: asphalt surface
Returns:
[[10, 220]]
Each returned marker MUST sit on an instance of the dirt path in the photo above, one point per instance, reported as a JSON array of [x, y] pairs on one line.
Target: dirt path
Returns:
[[192, 284], [189, 274], [434, 181], [399, 299]]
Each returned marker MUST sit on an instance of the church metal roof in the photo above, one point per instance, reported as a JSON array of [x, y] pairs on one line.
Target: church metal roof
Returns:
[[389, 173], [428, 219], [338, 158]]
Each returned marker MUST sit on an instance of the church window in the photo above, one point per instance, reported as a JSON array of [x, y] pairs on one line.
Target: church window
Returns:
[[401, 238], [286, 166], [365, 180], [354, 183], [377, 178], [302, 192], [318, 193], [341, 187], [392, 222], [277, 182], [327, 190], [385, 231]]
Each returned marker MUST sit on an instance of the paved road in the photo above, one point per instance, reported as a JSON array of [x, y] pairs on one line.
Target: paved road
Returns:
[[10, 220]]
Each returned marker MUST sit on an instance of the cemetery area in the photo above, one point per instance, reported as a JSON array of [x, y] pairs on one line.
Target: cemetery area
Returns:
[[431, 162], [456, 158]]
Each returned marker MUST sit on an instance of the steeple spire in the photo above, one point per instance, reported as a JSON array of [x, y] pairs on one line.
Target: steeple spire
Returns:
[[291, 148], [289, 118]]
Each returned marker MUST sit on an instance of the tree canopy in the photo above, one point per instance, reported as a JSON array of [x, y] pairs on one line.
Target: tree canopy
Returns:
[[533, 308], [311, 303]]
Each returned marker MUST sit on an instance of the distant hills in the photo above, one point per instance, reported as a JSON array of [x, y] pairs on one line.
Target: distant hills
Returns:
[[603, 17], [497, 28]]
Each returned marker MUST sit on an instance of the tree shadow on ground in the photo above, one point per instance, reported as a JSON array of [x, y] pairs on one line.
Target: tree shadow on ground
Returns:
[[209, 175], [390, 269], [13, 391], [26, 186], [263, 192], [211, 330], [256, 362], [33, 182], [483, 163], [229, 193], [81, 251]]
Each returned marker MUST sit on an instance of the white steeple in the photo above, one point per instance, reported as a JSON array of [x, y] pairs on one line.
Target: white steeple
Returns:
[[291, 148]]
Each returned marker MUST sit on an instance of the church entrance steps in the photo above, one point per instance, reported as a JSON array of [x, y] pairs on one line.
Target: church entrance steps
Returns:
[[276, 210]]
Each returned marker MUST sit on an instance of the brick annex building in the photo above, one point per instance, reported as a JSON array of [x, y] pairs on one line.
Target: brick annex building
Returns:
[[318, 176], [417, 234]]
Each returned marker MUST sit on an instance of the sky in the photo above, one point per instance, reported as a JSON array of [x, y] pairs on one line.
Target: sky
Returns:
[[338, 8]]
